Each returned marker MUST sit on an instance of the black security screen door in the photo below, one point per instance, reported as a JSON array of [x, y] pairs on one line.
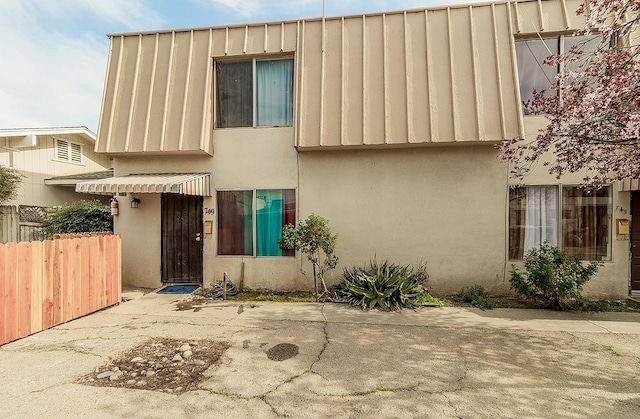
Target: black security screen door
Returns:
[[181, 238]]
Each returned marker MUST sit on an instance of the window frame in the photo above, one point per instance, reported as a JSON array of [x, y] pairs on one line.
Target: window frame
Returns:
[[560, 221], [254, 88], [254, 223], [560, 41], [69, 151]]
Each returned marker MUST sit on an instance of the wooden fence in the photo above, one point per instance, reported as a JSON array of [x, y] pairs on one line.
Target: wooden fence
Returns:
[[46, 283], [21, 223]]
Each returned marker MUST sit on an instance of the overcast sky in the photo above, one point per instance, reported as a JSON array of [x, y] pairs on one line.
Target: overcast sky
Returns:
[[54, 52]]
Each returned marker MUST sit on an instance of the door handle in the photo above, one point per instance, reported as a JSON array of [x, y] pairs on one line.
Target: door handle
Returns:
[[198, 237]]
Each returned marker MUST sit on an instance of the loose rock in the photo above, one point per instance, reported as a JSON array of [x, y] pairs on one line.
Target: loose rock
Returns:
[[116, 375]]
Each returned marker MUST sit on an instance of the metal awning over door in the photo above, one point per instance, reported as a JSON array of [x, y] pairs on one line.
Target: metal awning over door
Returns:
[[198, 184], [629, 185]]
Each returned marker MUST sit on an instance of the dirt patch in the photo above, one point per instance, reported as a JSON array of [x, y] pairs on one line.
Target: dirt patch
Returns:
[[160, 364], [499, 302]]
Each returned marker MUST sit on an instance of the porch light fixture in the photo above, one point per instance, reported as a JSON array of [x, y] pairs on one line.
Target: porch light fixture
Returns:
[[135, 202]]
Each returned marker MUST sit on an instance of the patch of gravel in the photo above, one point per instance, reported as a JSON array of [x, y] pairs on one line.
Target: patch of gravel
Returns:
[[160, 364]]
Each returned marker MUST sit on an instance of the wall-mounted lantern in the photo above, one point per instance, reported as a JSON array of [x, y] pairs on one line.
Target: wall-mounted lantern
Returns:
[[135, 202]]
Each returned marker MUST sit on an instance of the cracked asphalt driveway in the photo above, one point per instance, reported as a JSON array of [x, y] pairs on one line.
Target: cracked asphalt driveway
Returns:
[[340, 362]]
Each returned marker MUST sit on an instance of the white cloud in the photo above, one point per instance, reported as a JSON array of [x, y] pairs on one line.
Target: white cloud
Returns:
[[252, 9], [53, 66]]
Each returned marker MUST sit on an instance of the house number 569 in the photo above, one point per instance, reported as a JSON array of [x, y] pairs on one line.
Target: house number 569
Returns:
[[209, 211]]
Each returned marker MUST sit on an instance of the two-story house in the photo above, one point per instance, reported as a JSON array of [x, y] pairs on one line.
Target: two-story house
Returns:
[[52, 161], [383, 123]]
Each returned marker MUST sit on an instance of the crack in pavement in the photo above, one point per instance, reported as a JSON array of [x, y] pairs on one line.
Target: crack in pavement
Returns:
[[379, 389], [606, 347], [272, 407], [600, 326], [326, 338]]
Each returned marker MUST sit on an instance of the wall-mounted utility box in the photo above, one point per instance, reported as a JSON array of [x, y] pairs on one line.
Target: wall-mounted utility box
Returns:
[[622, 226]]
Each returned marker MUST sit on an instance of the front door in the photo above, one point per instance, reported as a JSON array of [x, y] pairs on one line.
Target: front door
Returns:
[[635, 241], [181, 238]]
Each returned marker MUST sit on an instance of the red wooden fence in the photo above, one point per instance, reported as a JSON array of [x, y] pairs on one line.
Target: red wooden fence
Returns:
[[46, 283]]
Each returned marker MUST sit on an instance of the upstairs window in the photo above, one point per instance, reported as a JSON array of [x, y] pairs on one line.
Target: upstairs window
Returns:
[[531, 53], [68, 152], [254, 93]]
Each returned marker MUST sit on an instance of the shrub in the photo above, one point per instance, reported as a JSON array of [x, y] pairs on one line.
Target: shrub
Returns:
[[477, 297], [314, 238], [385, 286], [78, 217], [10, 180], [552, 280]]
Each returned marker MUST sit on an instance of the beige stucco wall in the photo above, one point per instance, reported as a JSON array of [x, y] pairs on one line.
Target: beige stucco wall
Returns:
[[244, 158], [441, 205]]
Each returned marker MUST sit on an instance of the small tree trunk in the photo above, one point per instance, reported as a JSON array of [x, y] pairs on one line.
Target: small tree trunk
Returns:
[[315, 281]]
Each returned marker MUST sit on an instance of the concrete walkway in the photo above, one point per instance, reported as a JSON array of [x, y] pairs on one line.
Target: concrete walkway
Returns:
[[440, 363]]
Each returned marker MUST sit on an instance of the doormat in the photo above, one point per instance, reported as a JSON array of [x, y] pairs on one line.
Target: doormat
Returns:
[[178, 289]]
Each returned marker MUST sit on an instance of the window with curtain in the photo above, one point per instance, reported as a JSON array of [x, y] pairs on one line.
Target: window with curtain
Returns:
[[531, 53], [272, 103], [234, 101], [235, 225], [585, 223], [533, 219], [272, 209], [584, 227]]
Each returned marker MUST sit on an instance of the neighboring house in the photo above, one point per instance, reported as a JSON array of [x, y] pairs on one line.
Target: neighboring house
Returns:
[[52, 161], [384, 123]]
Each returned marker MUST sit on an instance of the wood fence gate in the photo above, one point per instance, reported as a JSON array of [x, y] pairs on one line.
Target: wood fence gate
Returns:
[[46, 283], [21, 223]]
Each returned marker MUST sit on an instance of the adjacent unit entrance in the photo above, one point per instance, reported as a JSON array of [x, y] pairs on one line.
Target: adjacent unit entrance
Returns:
[[181, 238], [635, 241]]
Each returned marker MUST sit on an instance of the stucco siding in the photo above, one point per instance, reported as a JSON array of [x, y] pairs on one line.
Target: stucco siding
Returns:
[[245, 159], [442, 205]]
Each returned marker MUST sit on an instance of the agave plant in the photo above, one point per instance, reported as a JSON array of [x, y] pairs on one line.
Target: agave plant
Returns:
[[384, 286]]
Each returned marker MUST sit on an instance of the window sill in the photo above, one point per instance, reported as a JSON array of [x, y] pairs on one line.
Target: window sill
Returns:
[[255, 257], [260, 127], [69, 162]]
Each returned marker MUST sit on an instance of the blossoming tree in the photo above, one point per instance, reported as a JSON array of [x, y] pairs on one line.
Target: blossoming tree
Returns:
[[594, 124]]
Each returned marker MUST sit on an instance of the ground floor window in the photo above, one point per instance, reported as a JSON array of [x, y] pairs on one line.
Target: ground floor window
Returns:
[[576, 219], [250, 222]]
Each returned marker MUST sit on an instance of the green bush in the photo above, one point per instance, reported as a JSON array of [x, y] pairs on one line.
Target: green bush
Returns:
[[477, 297], [78, 217], [10, 180], [385, 286], [552, 280]]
